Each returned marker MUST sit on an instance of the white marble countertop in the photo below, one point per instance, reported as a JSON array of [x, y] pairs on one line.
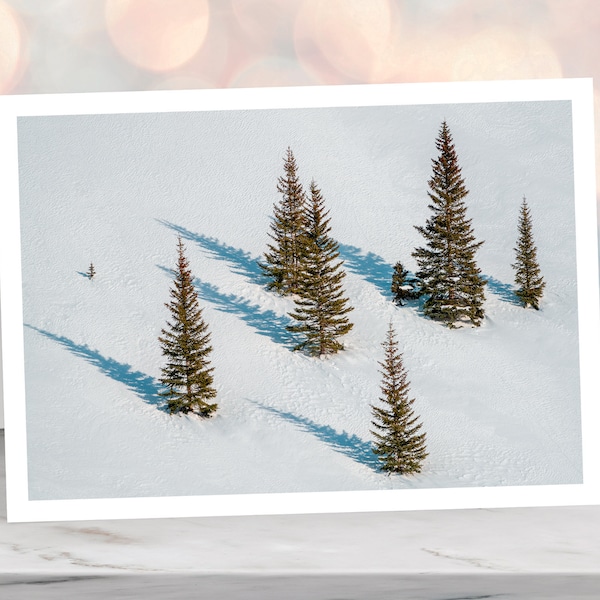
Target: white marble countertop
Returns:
[[452, 549]]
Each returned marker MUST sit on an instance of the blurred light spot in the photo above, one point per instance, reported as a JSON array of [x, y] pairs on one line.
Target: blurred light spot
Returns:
[[581, 17], [157, 35], [420, 56], [271, 73], [308, 53], [343, 39], [267, 22], [575, 33], [11, 48], [503, 53], [223, 47]]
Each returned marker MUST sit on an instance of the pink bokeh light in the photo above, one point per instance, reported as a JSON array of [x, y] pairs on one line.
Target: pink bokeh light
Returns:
[[12, 48], [157, 35], [345, 40], [505, 53], [266, 23]]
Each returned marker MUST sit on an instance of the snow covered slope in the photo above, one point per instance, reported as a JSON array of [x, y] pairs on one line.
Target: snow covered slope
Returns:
[[500, 404]]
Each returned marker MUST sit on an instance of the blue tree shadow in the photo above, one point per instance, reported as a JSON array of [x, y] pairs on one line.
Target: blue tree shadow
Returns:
[[348, 444], [371, 267], [142, 385], [242, 262], [503, 290], [265, 322]]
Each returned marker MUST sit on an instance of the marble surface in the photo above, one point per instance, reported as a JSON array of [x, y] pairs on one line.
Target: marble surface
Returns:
[[504, 553], [315, 587]]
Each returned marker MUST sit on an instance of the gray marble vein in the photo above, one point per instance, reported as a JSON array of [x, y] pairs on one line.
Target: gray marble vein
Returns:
[[315, 587]]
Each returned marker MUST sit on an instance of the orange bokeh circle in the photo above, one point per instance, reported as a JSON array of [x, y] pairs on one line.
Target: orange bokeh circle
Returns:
[[11, 48], [157, 35], [347, 37], [503, 53]]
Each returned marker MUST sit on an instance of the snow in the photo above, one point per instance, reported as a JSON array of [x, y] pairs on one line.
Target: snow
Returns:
[[500, 404], [538, 553]]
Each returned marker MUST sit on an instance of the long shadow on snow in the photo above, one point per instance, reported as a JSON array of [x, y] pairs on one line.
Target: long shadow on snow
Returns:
[[242, 262], [503, 290], [348, 444], [265, 322], [371, 267], [141, 384]]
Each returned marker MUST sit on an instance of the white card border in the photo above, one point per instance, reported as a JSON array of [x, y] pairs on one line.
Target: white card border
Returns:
[[578, 91]]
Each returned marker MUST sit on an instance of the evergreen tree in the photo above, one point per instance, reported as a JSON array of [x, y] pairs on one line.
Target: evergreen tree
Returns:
[[187, 375], [91, 271], [321, 306], [448, 271], [403, 288], [527, 277], [399, 443], [283, 257]]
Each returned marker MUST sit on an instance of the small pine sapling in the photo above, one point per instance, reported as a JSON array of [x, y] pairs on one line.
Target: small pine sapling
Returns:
[[527, 277], [404, 287], [399, 442], [91, 272]]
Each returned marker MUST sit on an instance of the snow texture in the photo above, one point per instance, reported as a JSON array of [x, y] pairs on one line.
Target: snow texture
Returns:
[[554, 550], [500, 403]]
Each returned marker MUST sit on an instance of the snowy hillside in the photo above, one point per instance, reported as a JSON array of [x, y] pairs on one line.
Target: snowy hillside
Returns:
[[499, 403]]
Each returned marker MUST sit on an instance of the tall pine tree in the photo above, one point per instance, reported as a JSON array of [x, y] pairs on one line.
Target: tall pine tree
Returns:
[[527, 277], [283, 257], [399, 442], [321, 306], [187, 375], [448, 272]]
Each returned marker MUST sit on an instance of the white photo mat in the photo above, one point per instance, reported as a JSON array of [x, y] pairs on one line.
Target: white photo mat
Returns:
[[21, 507]]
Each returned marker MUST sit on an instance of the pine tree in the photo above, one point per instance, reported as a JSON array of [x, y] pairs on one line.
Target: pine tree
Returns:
[[448, 271], [91, 271], [527, 277], [187, 375], [321, 306], [399, 442], [403, 288], [283, 257]]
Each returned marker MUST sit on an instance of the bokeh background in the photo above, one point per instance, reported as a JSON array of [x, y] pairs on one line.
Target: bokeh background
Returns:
[[52, 46]]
